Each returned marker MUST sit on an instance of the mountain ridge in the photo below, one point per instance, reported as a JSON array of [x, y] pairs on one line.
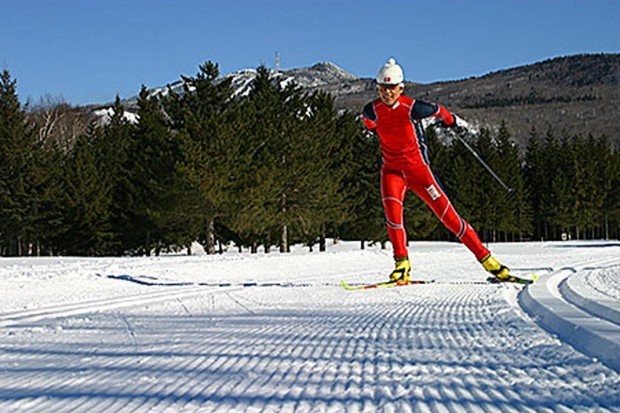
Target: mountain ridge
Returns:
[[576, 94]]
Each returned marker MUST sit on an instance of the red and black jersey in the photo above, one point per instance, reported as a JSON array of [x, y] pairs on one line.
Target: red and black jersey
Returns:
[[399, 128], [406, 167]]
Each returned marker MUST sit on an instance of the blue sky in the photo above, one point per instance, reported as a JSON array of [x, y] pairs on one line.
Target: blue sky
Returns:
[[87, 51]]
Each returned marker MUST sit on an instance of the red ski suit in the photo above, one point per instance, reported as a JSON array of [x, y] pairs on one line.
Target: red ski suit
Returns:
[[406, 166]]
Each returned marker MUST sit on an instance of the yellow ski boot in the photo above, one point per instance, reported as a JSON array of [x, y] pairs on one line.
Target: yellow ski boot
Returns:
[[493, 266], [402, 270]]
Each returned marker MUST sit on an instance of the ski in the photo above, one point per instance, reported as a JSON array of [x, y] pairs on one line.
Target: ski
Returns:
[[384, 284], [513, 279], [391, 284]]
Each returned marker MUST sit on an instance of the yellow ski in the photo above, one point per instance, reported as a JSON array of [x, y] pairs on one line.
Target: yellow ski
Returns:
[[385, 284]]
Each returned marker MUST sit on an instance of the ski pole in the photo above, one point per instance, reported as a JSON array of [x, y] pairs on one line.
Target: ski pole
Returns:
[[488, 168]]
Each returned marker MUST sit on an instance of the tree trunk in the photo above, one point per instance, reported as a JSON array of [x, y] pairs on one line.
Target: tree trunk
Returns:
[[210, 247], [606, 226], [267, 243], [254, 248], [362, 244], [322, 246], [147, 243], [284, 247]]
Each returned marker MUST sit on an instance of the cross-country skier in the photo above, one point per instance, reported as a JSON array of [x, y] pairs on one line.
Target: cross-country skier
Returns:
[[396, 119]]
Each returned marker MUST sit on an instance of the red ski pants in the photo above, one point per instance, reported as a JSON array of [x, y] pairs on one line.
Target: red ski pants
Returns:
[[420, 179]]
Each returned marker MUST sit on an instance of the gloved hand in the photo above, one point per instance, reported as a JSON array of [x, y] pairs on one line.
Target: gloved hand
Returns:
[[442, 124], [452, 125]]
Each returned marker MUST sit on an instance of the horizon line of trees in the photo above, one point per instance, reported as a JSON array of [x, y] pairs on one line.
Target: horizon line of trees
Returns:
[[275, 167]]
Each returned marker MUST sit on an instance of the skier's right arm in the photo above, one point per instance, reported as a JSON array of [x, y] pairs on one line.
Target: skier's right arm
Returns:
[[369, 117]]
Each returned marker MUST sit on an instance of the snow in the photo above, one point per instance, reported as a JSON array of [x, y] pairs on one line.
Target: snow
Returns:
[[596, 292], [276, 332], [320, 74], [105, 115], [567, 302]]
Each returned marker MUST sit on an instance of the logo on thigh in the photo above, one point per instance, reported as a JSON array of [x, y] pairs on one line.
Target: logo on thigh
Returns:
[[433, 192]]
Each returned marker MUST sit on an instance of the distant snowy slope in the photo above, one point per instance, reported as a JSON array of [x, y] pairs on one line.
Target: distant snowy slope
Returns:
[[105, 114], [319, 75], [576, 93], [324, 75]]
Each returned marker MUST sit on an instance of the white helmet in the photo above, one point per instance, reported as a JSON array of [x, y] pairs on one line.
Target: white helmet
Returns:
[[390, 74]]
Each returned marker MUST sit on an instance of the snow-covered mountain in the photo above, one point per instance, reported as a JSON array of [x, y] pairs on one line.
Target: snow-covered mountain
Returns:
[[574, 93], [323, 75]]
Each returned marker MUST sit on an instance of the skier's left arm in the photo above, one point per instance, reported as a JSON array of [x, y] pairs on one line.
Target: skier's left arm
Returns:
[[421, 110]]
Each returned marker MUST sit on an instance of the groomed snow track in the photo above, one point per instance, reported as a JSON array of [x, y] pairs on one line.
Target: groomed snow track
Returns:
[[177, 343], [567, 303]]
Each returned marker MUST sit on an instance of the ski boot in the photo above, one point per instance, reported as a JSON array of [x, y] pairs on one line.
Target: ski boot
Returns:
[[402, 270], [493, 266]]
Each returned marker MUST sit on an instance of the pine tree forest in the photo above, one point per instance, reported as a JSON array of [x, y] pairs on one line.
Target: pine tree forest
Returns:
[[273, 168]]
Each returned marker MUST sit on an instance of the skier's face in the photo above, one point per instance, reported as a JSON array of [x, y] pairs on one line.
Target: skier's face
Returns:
[[389, 94]]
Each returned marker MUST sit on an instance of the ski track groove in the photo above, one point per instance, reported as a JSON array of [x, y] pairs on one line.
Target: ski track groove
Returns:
[[555, 293], [16, 318]]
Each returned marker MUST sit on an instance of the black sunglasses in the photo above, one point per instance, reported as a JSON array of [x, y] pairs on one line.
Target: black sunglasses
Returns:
[[387, 87]]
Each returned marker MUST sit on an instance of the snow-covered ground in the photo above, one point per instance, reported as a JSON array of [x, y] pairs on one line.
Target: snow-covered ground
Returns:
[[272, 332]]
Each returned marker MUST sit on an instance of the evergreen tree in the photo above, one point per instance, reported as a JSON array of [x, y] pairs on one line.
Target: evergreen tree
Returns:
[[317, 171], [550, 196], [50, 176], [588, 190], [112, 149], [607, 178], [535, 182], [361, 158], [155, 214], [562, 189], [514, 210], [492, 212], [205, 120], [86, 202], [292, 169], [612, 205], [462, 182], [20, 162], [269, 133]]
